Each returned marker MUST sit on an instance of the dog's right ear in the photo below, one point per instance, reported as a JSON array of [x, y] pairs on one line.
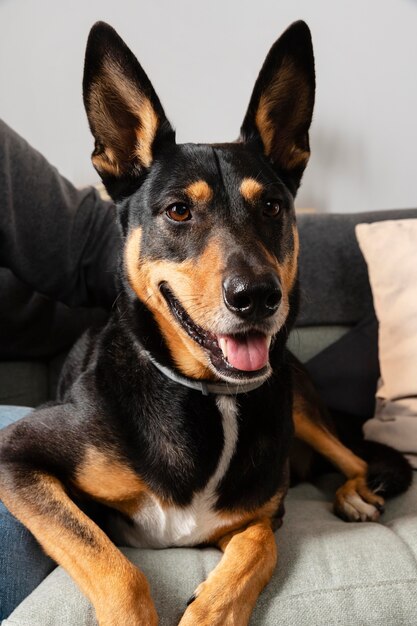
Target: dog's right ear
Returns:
[[123, 110]]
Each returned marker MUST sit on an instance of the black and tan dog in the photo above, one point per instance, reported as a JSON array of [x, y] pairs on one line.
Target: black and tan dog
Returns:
[[178, 416]]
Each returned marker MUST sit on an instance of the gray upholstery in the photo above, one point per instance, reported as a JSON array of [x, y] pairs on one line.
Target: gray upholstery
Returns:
[[330, 572]]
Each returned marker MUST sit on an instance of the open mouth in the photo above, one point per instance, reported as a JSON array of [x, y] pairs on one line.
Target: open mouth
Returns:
[[240, 356]]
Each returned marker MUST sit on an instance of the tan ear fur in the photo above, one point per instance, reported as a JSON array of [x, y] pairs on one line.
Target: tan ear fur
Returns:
[[281, 106], [123, 110], [284, 143], [124, 121]]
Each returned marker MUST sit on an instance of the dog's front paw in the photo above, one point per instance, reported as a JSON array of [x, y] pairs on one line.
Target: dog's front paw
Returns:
[[210, 606], [199, 614], [355, 502]]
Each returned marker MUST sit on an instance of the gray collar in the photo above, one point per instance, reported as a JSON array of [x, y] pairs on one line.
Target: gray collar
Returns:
[[205, 387]]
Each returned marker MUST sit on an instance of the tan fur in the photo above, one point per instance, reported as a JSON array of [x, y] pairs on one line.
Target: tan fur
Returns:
[[103, 477], [318, 437], [229, 594], [107, 162], [288, 269], [121, 146], [250, 189], [198, 290], [146, 132], [278, 141], [245, 518], [199, 191], [324, 442], [119, 592]]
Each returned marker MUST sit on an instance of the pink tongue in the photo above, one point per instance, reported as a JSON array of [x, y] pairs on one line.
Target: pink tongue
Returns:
[[247, 353]]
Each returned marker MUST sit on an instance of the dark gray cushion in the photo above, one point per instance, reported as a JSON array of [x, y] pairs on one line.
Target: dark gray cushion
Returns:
[[333, 274]]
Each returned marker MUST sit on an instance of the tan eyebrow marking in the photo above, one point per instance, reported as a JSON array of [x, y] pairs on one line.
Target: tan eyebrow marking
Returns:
[[250, 189], [199, 191]]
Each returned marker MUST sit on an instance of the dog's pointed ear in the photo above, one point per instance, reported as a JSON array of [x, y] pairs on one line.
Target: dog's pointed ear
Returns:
[[281, 106], [123, 110]]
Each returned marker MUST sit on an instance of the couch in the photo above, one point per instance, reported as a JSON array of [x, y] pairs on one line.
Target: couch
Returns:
[[329, 572]]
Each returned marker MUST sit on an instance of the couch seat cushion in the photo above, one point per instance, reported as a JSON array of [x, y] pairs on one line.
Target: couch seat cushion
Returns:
[[330, 572]]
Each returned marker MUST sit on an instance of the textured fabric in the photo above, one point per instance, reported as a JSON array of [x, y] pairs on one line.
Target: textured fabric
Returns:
[[346, 372], [306, 342], [23, 383], [34, 326], [55, 240], [23, 564], [329, 573], [333, 275], [393, 279], [29, 383], [55, 237], [10, 414]]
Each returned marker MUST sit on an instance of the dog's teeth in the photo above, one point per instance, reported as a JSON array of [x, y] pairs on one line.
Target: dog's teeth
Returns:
[[268, 341], [223, 346]]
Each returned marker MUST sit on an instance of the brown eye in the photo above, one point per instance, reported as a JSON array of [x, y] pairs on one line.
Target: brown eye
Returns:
[[179, 212], [272, 208]]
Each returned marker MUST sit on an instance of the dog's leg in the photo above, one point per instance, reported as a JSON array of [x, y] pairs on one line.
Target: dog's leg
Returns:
[[119, 592], [354, 500], [230, 592], [34, 452]]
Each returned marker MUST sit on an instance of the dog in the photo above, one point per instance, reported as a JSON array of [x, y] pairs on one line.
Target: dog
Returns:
[[178, 416]]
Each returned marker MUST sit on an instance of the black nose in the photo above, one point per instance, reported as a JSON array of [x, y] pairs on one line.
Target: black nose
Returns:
[[250, 297]]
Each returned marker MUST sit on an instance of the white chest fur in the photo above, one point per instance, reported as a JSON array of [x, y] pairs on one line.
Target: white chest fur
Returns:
[[159, 526]]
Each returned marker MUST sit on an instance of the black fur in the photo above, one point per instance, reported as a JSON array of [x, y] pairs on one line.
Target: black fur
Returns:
[[389, 472], [111, 397]]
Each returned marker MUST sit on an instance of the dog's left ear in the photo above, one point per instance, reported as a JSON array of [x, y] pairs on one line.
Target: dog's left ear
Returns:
[[281, 106], [123, 110]]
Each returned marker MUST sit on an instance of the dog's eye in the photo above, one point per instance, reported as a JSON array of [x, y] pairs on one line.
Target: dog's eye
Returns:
[[272, 208], [179, 212]]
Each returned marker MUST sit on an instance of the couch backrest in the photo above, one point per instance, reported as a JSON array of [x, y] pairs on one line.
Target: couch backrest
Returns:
[[334, 281]]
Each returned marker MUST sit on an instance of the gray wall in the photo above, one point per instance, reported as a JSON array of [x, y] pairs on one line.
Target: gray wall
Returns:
[[203, 58]]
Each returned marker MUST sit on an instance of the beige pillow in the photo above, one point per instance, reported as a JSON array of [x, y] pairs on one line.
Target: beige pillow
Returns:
[[390, 251]]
